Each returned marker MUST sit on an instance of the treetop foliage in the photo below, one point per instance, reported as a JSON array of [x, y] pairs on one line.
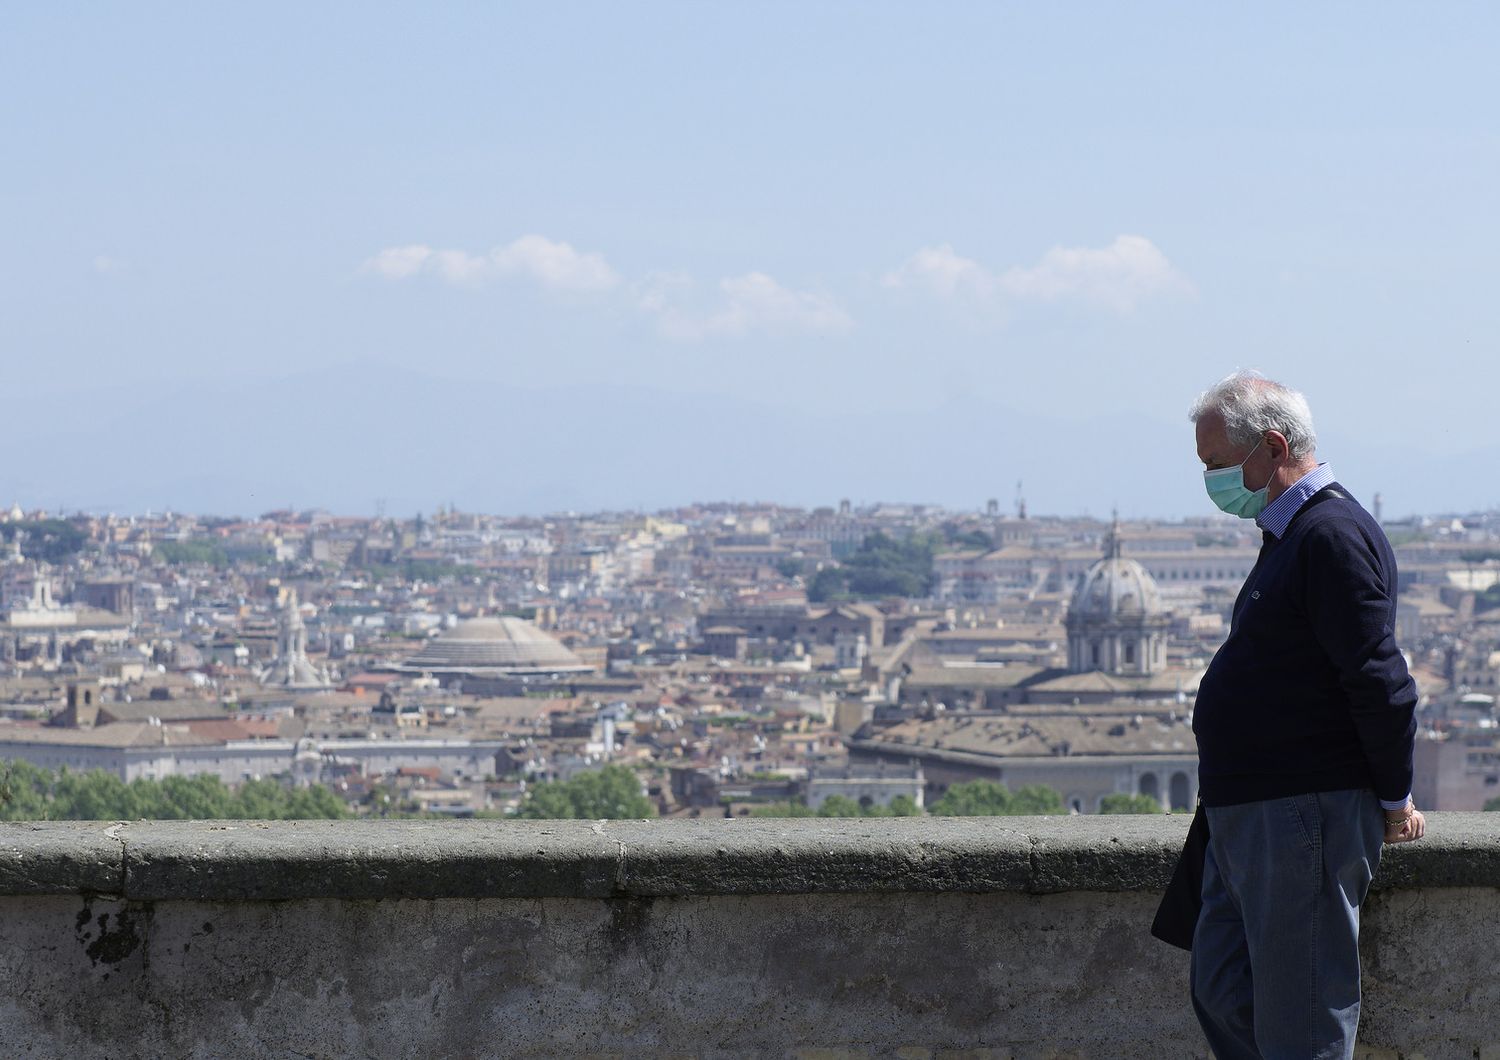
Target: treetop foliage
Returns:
[[50, 540], [881, 567], [955, 536], [613, 792], [985, 798], [1129, 804], [840, 806], [30, 793], [199, 552]]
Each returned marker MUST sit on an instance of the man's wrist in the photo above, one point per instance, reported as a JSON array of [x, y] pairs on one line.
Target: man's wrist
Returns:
[[1399, 804]]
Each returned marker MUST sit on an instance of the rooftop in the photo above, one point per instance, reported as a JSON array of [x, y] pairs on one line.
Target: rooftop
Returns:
[[500, 645]]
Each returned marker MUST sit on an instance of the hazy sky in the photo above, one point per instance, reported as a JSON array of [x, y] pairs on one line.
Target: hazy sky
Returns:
[[1026, 234]]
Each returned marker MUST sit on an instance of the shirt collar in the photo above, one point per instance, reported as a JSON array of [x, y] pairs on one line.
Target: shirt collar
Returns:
[[1277, 515]]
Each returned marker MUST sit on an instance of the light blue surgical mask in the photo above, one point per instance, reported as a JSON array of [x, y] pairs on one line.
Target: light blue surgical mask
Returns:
[[1226, 488]]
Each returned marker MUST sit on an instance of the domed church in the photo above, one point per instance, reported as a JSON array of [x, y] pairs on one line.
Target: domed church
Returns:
[[497, 646], [1116, 622]]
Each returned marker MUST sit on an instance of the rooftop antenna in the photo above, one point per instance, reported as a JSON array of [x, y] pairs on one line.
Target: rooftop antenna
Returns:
[[1020, 501]]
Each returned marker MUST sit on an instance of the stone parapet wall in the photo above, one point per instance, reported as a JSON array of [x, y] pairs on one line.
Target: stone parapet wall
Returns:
[[913, 937]]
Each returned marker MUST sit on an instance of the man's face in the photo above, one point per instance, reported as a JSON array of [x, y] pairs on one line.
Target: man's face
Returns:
[[1216, 452]]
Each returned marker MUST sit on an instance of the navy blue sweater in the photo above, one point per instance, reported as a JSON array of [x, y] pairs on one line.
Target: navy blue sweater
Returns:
[[1309, 692]]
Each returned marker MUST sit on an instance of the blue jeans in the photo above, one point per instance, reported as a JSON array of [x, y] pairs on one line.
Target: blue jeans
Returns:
[[1275, 963]]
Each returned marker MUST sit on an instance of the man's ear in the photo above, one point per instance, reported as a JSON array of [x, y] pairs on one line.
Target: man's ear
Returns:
[[1279, 448]]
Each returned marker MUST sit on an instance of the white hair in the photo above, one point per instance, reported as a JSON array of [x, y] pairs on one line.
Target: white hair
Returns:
[[1250, 404]]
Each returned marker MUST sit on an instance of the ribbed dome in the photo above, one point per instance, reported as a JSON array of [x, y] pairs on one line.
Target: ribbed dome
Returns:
[[506, 645], [1112, 587]]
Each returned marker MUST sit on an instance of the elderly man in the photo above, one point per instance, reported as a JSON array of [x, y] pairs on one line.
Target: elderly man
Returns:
[[1305, 725]]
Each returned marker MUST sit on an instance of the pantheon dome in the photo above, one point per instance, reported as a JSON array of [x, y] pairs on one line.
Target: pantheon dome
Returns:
[[504, 645], [1116, 622]]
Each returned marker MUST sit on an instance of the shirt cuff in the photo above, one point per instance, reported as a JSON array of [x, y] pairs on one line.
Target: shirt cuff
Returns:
[[1395, 805]]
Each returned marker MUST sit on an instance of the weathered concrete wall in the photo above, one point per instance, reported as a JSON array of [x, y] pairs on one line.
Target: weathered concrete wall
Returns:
[[910, 937]]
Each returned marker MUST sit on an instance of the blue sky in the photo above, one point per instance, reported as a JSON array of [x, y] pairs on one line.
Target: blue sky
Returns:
[[1020, 237]]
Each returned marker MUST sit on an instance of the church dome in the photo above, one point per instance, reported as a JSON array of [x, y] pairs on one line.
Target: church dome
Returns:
[[1116, 621], [1115, 587], [502, 645]]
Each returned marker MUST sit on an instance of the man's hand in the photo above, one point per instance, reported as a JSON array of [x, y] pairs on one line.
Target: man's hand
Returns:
[[1404, 825]]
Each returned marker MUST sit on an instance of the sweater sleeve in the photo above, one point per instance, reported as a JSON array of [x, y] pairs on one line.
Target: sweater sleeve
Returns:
[[1351, 606]]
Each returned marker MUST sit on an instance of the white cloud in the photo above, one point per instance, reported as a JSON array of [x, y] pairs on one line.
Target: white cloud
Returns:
[[555, 264], [103, 263], [739, 305], [752, 302], [551, 263], [397, 263], [945, 273], [1119, 277]]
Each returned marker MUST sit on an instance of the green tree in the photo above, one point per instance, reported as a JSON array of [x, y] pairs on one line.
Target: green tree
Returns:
[[905, 806], [197, 551], [985, 798], [314, 802], [197, 798], [1129, 804], [967, 539], [839, 806], [267, 799], [827, 585], [92, 796], [1036, 799], [1492, 804], [613, 792], [28, 793], [263, 800], [882, 566], [52, 540], [794, 808], [25, 792]]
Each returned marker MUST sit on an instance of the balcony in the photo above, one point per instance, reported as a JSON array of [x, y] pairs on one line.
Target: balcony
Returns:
[[910, 937]]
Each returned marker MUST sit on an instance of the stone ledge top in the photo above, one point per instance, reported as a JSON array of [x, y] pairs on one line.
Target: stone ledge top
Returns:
[[269, 860]]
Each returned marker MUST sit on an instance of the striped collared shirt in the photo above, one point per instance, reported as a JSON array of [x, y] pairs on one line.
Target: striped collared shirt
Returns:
[[1277, 515]]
